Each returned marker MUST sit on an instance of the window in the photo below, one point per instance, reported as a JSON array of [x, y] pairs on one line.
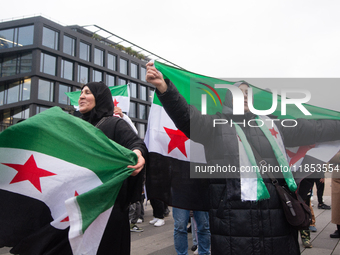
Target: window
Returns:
[[9, 66], [41, 109], [16, 64], [13, 93], [133, 89], [2, 94], [141, 130], [26, 63], [48, 64], [142, 92], [143, 73], [132, 111], [14, 37], [50, 38], [66, 69], [123, 66], [111, 62], [110, 80], [20, 114], [18, 91], [45, 90], [83, 74], [25, 35], [142, 112], [98, 57], [121, 81], [151, 94], [97, 76], [63, 98], [69, 45], [84, 51], [134, 70]]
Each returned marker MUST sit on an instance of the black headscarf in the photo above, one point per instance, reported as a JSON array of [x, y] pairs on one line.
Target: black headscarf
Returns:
[[104, 104]]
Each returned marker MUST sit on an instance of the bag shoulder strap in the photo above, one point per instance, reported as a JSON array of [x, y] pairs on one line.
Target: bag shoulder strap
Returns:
[[102, 120]]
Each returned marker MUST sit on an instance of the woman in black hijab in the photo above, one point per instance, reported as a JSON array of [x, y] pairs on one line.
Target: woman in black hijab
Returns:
[[96, 106]]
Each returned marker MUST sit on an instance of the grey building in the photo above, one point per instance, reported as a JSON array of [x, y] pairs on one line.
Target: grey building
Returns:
[[40, 60]]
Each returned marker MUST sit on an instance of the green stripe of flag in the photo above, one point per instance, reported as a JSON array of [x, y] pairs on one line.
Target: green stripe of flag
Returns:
[[190, 85], [71, 139]]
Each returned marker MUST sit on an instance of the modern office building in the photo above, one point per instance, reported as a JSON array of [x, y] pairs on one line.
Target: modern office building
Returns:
[[40, 60]]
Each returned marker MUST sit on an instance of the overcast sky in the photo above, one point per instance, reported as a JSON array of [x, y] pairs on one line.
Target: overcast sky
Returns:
[[223, 39]]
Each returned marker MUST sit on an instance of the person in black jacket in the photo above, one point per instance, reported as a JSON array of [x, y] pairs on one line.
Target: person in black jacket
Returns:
[[238, 225], [96, 106]]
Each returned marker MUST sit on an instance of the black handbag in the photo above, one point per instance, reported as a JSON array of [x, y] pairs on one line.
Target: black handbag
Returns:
[[297, 212]]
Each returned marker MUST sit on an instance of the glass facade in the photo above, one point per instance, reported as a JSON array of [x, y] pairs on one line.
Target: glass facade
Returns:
[[98, 57], [133, 89], [132, 110], [84, 51], [123, 66], [134, 70], [20, 63], [97, 76], [63, 98], [151, 94], [141, 130], [46, 90], [66, 61], [69, 45], [142, 73], [48, 64], [50, 38], [121, 81], [142, 92], [111, 62], [15, 92], [66, 69], [16, 37], [142, 112], [110, 80], [83, 74]]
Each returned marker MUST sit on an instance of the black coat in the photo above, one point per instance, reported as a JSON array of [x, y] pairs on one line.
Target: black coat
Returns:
[[243, 227], [116, 238]]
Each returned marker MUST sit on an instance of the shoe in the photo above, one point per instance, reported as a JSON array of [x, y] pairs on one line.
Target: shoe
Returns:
[[135, 228], [312, 228], [324, 206], [139, 221], [166, 212], [335, 234], [159, 223], [306, 243], [153, 221], [196, 252], [194, 248]]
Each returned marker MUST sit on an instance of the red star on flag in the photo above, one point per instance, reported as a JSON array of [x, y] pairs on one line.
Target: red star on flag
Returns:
[[177, 140], [273, 131], [67, 218], [115, 102], [30, 172], [301, 153]]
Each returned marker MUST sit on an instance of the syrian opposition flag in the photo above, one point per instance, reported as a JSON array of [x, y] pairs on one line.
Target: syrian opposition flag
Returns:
[[311, 159], [120, 97], [170, 151], [59, 178]]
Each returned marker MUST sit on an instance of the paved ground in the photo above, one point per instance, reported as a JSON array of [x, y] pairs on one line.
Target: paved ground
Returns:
[[159, 240]]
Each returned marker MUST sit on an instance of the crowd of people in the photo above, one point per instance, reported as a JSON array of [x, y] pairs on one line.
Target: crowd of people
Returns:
[[264, 228], [236, 222]]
